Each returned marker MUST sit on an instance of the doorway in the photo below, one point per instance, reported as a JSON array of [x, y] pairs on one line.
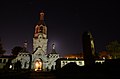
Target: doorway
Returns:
[[38, 65]]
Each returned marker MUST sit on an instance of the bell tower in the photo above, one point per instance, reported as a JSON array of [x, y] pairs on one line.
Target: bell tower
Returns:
[[41, 27], [40, 36]]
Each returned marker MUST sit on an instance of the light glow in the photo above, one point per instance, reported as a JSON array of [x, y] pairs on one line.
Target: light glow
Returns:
[[38, 66], [10, 66]]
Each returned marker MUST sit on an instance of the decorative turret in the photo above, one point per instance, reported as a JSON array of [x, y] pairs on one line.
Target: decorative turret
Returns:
[[53, 49], [41, 22], [25, 47], [53, 53], [53, 56], [25, 44]]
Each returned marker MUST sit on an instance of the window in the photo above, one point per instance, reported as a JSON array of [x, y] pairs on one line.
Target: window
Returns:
[[25, 65], [19, 54], [80, 63], [41, 29], [0, 60], [4, 61]]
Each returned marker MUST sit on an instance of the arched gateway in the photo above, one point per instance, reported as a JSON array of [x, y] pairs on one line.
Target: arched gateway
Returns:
[[38, 65]]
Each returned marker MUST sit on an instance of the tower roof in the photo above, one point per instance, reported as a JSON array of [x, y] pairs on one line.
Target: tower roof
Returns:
[[53, 49], [41, 21]]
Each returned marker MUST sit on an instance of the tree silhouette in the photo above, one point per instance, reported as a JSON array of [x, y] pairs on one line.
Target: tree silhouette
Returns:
[[16, 50], [114, 49], [2, 51]]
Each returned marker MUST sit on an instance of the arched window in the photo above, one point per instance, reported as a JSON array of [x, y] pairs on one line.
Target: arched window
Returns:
[[0, 60], [41, 29], [4, 61]]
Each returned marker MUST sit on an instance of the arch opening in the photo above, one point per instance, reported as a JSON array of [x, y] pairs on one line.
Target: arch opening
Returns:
[[38, 65]]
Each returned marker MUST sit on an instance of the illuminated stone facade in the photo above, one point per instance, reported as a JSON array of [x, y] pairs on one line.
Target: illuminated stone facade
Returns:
[[39, 60]]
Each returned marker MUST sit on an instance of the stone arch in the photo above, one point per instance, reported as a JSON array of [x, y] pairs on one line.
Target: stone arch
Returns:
[[38, 64], [25, 63]]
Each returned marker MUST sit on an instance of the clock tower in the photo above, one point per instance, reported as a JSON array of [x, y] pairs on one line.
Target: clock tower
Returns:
[[40, 36]]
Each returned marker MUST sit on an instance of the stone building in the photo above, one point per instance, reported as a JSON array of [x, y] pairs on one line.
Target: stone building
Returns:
[[4, 60], [38, 59]]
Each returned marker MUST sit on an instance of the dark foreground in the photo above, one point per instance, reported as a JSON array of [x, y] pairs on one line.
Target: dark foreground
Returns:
[[60, 75], [85, 74], [27, 75], [70, 71]]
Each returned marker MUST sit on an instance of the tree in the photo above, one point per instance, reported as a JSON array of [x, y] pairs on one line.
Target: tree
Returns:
[[16, 50], [2, 51], [114, 49]]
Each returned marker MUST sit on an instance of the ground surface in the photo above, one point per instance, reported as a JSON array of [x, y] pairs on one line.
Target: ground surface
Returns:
[[59, 75]]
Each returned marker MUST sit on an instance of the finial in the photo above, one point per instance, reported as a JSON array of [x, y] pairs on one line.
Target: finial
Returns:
[[53, 46], [25, 44]]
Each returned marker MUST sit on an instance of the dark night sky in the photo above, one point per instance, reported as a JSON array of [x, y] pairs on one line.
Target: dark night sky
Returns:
[[66, 20]]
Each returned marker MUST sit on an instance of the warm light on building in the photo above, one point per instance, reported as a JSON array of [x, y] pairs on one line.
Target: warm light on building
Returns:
[[38, 66], [73, 56]]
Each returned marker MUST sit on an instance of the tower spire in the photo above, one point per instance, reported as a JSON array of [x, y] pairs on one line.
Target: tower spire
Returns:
[[41, 27], [41, 21], [41, 16], [53, 49], [25, 44], [53, 46]]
